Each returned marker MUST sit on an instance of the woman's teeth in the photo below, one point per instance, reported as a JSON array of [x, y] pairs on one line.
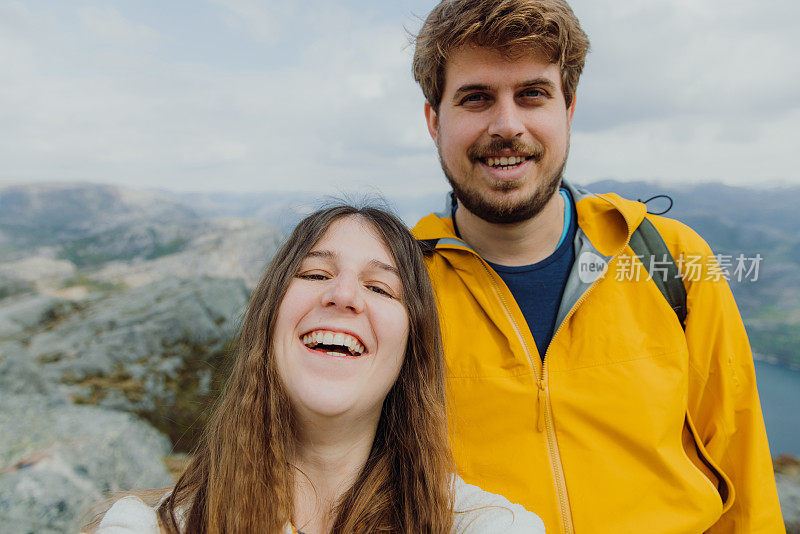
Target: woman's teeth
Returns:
[[338, 342]]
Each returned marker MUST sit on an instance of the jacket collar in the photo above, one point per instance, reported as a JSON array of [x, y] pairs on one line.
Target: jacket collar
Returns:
[[605, 225], [607, 220]]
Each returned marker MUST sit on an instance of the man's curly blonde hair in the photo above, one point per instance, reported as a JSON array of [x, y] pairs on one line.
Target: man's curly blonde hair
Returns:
[[513, 27]]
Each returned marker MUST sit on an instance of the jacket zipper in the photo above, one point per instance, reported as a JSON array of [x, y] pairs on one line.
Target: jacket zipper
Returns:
[[543, 421], [566, 516]]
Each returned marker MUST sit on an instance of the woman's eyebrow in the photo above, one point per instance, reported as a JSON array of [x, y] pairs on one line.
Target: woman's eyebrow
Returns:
[[385, 266], [324, 254], [376, 264]]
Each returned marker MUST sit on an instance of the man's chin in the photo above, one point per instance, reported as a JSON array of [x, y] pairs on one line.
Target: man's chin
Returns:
[[506, 207], [500, 214], [508, 202]]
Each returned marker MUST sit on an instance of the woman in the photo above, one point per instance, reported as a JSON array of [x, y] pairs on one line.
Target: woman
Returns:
[[333, 419]]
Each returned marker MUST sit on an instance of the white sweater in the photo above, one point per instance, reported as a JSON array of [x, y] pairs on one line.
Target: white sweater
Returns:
[[476, 512]]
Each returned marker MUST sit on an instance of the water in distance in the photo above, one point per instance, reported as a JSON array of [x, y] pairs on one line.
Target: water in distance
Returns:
[[779, 390]]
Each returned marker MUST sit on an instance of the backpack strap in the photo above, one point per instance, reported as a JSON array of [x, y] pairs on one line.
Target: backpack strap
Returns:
[[647, 243], [427, 245]]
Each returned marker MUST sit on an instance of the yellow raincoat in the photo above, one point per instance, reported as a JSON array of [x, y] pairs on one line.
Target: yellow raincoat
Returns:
[[631, 425]]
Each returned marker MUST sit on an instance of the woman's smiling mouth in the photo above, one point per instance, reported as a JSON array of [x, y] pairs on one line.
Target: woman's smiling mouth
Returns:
[[333, 343]]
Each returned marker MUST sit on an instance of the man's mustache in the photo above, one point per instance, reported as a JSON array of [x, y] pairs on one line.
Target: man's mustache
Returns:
[[495, 146]]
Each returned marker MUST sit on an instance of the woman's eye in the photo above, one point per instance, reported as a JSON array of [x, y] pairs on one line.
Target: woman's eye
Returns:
[[312, 276], [376, 288]]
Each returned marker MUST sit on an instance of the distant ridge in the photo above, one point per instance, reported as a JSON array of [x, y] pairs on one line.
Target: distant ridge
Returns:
[[91, 225]]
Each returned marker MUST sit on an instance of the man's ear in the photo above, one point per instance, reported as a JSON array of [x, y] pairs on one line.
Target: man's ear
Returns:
[[571, 109], [433, 123]]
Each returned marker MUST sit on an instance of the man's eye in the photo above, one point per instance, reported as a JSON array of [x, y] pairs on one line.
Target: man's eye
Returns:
[[474, 98], [534, 93]]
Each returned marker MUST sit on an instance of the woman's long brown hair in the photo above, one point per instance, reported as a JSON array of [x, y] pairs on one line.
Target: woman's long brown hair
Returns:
[[241, 477]]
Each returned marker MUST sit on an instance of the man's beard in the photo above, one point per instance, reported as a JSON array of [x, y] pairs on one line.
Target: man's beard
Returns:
[[501, 212]]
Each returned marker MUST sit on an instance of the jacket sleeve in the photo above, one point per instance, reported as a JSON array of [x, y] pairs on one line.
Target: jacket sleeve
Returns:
[[723, 402]]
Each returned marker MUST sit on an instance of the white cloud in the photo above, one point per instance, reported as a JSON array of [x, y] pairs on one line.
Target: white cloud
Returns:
[[668, 150], [673, 89], [107, 25], [706, 58], [257, 18]]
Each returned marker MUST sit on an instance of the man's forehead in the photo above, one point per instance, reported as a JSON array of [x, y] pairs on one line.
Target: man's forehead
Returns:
[[479, 65]]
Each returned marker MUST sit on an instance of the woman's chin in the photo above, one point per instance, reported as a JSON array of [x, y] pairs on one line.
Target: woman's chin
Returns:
[[325, 403]]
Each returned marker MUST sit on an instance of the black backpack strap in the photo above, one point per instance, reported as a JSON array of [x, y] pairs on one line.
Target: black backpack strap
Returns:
[[427, 245], [648, 244]]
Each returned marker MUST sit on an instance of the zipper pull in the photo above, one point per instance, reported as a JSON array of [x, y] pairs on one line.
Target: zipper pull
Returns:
[[540, 396]]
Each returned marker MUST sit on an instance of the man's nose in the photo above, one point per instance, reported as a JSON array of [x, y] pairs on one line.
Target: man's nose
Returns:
[[506, 119], [344, 292]]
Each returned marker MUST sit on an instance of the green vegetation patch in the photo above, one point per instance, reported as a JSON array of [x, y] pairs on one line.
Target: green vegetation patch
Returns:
[[182, 402], [779, 340], [118, 245], [25, 236], [80, 279], [97, 387], [165, 249], [191, 396]]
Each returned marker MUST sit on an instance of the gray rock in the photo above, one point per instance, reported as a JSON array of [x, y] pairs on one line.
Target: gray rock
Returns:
[[18, 375], [155, 350], [789, 493], [26, 312], [10, 285], [56, 460], [156, 322], [39, 273], [228, 248]]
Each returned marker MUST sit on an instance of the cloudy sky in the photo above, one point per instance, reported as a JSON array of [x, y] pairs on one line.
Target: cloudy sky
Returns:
[[258, 95]]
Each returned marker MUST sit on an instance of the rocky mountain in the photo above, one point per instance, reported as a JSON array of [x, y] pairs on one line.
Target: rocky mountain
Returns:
[[57, 459], [285, 209], [90, 224], [118, 308]]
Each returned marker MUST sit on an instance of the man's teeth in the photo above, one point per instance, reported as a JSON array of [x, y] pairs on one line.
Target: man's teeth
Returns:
[[504, 161], [320, 337]]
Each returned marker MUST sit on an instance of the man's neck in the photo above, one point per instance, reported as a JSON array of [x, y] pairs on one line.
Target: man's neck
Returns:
[[330, 456], [522, 243]]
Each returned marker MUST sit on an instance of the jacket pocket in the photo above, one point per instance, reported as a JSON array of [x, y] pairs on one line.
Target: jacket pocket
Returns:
[[696, 451]]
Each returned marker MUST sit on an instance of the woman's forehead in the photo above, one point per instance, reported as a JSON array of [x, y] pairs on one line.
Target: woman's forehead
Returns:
[[354, 238]]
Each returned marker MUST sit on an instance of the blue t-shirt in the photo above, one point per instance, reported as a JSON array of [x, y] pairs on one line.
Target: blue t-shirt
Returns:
[[538, 288]]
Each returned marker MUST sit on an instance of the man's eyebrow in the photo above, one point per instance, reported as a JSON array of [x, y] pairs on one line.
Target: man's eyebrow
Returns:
[[377, 264], [546, 82]]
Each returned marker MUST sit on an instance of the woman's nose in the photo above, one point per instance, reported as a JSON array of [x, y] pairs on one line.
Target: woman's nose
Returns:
[[345, 292]]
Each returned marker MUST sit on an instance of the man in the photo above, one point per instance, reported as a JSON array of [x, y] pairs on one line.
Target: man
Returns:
[[575, 390]]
